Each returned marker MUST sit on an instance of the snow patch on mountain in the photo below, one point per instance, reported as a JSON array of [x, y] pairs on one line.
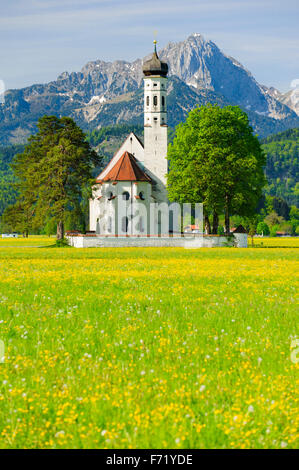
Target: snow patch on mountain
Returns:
[[104, 93], [97, 99]]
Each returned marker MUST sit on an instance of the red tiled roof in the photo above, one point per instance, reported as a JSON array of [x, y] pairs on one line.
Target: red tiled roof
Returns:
[[192, 227], [126, 169]]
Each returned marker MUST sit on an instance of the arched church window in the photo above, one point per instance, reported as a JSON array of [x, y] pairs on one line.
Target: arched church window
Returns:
[[141, 195], [110, 195], [163, 101], [147, 101], [155, 100], [141, 225], [126, 196], [109, 228], [159, 223]]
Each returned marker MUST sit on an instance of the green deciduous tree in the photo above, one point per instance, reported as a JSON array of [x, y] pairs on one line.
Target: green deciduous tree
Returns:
[[216, 159], [273, 230], [17, 218], [54, 170], [294, 218], [274, 219], [294, 213], [262, 229]]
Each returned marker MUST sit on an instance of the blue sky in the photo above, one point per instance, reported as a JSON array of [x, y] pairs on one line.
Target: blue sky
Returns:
[[42, 38]]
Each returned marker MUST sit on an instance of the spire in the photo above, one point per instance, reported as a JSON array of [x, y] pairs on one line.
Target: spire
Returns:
[[155, 66]]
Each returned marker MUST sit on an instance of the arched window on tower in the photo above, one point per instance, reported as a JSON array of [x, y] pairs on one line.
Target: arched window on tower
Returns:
[[147, 100], [126, 196], [163, 101], [155, 100]]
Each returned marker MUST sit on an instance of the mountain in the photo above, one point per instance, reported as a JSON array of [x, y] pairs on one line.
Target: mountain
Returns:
[[106, 93], [290, 98], [202, 64]]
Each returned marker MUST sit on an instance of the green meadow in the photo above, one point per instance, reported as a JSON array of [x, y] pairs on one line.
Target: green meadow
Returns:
[[148, 348]]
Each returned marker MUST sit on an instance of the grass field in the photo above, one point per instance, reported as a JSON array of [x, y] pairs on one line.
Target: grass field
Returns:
[[148, 348], [274, 242], [31, 241], [43, 241]]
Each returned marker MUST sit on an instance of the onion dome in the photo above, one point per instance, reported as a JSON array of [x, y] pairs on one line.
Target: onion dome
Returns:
[[155, 66]]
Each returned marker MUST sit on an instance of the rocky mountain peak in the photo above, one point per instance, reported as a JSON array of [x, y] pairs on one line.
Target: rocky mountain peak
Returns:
[[108, 92]]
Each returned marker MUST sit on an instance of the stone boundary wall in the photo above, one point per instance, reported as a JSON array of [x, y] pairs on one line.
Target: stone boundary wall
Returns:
[[238, 240]]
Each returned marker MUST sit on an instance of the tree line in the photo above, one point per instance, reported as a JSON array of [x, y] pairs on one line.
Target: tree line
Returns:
[[53, 177], [214, 158], [282, 169]]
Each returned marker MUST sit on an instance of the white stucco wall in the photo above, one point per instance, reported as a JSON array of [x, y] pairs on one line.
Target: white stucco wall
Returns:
[[155, 133], [99, 207], [241, 240], [151, 157], [136, 209], [131, 145], [183, 242]]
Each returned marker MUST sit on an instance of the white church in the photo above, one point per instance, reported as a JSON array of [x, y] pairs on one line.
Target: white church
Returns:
[[129, 204], [136, 175]]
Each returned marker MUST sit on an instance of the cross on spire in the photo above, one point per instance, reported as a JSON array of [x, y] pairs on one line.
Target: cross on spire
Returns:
[[155, 39]]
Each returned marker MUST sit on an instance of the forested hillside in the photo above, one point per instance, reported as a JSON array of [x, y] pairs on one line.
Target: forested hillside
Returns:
[[107, 140], [282, 152], [108, 93], [7, 192], [282, 168]]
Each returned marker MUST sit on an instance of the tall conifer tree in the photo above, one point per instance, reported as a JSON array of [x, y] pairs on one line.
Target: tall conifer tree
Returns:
[[53, 171]]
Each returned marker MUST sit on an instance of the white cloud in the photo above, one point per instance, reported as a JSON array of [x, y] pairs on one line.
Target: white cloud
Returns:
[[35, 13]]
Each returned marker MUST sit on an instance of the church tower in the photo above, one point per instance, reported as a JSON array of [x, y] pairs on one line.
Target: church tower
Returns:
[[155, 123]]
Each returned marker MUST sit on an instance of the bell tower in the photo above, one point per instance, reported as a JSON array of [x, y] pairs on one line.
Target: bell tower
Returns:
[[155, 122]]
